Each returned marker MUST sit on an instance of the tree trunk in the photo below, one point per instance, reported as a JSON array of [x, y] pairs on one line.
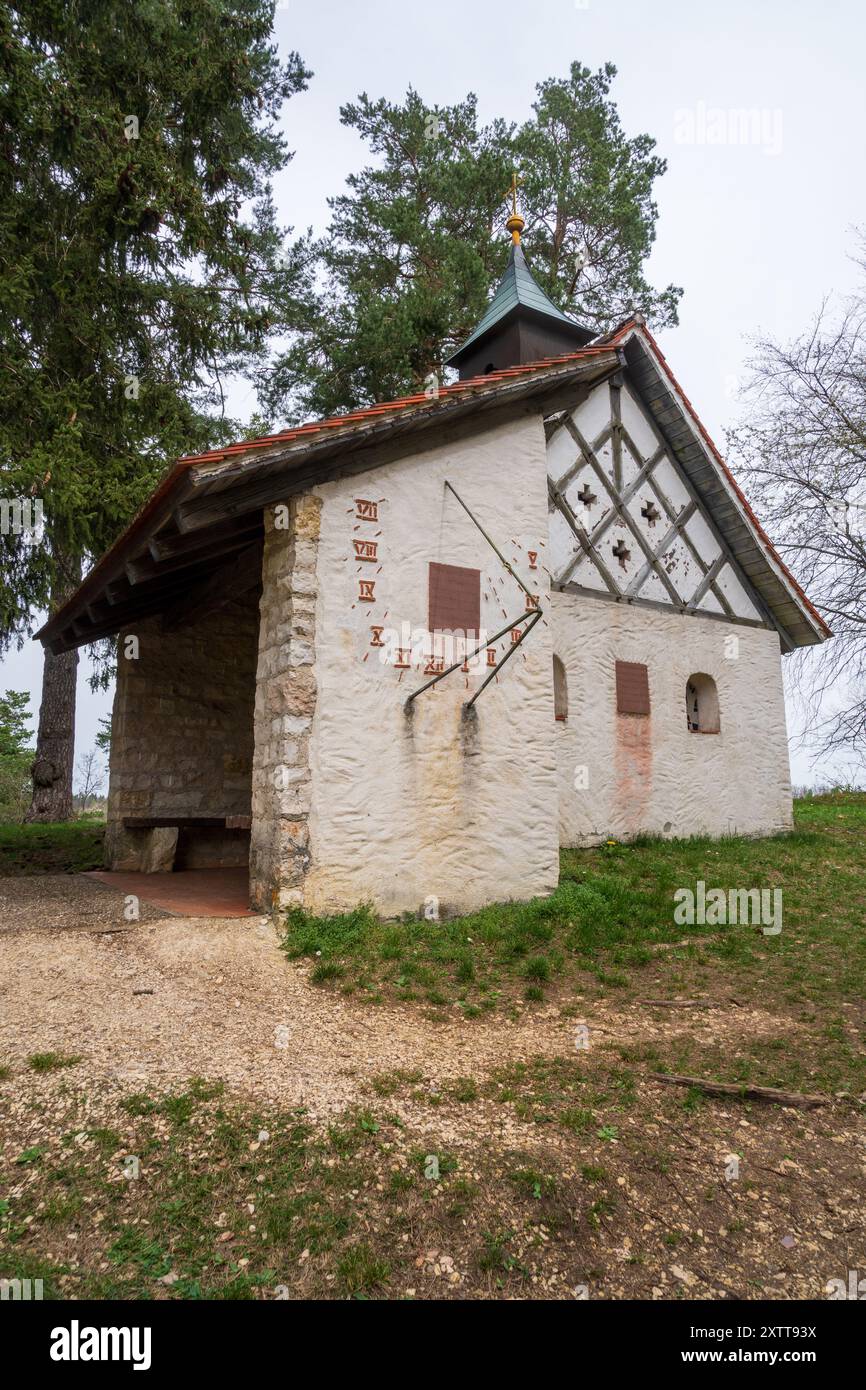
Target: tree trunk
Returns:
[[55, 741]]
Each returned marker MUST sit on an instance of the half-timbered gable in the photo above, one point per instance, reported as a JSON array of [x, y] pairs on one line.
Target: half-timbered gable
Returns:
[[625, 523]]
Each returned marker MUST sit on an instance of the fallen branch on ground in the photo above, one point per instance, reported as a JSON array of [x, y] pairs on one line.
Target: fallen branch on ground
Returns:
[[684, 1003], [726, 1088]]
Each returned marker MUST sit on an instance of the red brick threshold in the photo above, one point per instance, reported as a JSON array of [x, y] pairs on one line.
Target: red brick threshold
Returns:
[[189, 892]]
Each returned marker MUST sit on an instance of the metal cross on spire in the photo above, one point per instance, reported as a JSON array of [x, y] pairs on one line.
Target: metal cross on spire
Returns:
[[515, 223]]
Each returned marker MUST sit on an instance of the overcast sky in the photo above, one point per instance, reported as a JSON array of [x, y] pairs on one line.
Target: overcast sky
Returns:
[[756, 232]]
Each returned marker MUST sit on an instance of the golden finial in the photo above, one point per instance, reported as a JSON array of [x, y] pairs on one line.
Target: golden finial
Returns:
[[515, 223]]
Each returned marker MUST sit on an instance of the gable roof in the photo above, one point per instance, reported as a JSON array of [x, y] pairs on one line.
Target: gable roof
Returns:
[[518, 290], [208, 508]]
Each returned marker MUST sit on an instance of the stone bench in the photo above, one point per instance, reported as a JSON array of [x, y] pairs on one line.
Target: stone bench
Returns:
[[152, 851]]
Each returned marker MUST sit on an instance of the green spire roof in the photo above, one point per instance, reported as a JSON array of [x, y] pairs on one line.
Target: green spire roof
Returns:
[[518, 290]]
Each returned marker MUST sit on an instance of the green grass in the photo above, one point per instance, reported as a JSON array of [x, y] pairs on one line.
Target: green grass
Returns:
[[613, 905], [598, 936], [67, 847], [215, 1209], [51, 1061], [360, 1271]]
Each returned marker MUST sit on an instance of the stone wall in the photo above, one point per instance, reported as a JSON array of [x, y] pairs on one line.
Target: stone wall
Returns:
[[285, 703], [622, 774], [182, 733]]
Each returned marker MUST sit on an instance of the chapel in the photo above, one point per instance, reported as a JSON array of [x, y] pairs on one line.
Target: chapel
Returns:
[[403, 655]]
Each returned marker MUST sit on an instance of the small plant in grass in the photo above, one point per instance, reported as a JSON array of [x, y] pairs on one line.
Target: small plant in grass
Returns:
[[693, 1100], [537, 968], [591, 1172], [612, 979], [534, 993], [608, 1132], [30, 1155], [495, 1256], [108, 1140], [5, 1073], [463, 1089], [361, 1271], [604, 1206], [325, 970], [138, 1104], [576, 1119], [388, 1083], [392, 946], [465, 971], [60, 1211], [51, 1061], [535, 1184]]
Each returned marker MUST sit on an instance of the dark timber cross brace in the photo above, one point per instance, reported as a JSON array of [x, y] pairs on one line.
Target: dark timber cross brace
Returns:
[[533, 617]]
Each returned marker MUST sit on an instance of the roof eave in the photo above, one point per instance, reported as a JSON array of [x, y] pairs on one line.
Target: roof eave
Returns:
[[582, 336], [192, 479]]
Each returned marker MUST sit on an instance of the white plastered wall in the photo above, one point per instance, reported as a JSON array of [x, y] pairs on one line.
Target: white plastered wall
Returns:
[[408, 809], [621, 774]]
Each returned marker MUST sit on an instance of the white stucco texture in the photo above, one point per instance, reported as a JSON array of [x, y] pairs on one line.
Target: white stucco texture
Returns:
[[623, 774], [433, 807]]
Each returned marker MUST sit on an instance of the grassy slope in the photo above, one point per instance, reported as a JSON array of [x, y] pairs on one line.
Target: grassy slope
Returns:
[[596, 937]]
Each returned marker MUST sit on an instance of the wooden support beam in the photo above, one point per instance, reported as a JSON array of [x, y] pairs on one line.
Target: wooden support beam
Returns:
[[237, 577], [708, 580], [199, 555], [659, 606], [78, 632], [583, 540], [174, 545]]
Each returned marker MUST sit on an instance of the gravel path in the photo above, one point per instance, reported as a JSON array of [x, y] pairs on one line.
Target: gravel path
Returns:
[[168, 998], [68, 902]]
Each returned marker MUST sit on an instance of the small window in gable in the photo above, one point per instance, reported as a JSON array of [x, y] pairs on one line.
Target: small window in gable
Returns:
[[454, 599], [560, 691], [702, 704], [632, 688]]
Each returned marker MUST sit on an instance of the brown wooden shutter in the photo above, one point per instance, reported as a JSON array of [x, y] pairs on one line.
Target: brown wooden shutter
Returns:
[[632, 688], [455, 599]]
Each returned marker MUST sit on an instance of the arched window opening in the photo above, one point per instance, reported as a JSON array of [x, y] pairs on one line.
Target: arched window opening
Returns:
[[560, 691], [702, 704]]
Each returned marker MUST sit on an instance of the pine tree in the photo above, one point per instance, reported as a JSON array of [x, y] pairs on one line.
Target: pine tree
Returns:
[[14, 718], [415, 245], [15, 755], [410, 252], [139, 255], [587, 200]]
